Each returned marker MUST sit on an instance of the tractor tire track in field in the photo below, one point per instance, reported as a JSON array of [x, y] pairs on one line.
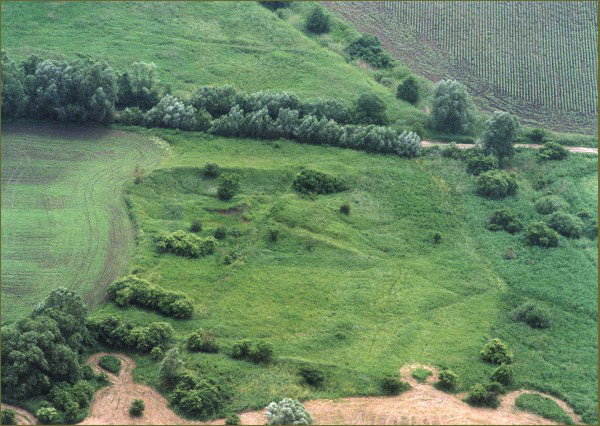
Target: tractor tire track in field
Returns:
[[423, 404], [90, 167]]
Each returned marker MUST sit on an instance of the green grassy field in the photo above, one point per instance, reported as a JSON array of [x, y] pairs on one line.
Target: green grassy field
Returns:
[[194, 43], [64, 221], [361, 295]]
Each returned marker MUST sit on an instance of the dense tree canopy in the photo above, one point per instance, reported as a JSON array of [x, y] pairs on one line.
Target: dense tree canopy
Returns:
[[453, 108], [499, 134]]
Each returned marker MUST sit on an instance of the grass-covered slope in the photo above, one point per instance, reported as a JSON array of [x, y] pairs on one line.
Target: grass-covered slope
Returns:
[[64, 222], [362, 294], [193, 43]]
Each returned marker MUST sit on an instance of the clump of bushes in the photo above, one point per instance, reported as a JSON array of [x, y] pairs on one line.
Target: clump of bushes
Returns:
[[184, 244], [110, 363], [497, 184], [504, 220], [196, 225], [229, 185], [111, 331], [156, 353], [317, 22], [211, 170], [447, 379], [478, 164], [132, 290], [345, 209], [539, 234], [537, 135], [370, 109], [532, 313], [437, 238], [9, 417], [552, 151], [549, 204], [312, 375], [198, 397], [392, 385], [504, 374], [408, 90], [202, 341], [495, 351], [453, 151], [220, 233], [486, 396], [71, 400], [137, 408], [313, 182], [233, 419], [257, 352], [287, 412], [47, 415], [368, 48], [171, 113], [565, 224]]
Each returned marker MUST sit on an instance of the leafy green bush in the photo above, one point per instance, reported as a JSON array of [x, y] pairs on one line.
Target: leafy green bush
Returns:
[[111, 331], [217, 100], [220, 233], [437, 238], [156, 353], [132, 290], [537, 135], [313, 182], [447, 379], [257, 352], [211, 170], [9, 417], [312, 375], [196, 225], [543, 406], [497, 184], [479, 164], [504, 374], [47, 415], [453, 151], [549, 204], [532, 313], [317, 21], [132, 117], [421, 374], [566, 224], [368, 48], [184, 244], [233, 419], [480, 395], [504, 220], [495, 351], [198, 397], [370, 109], [499, 134], [170, 367], [452, 108], [229, 185], [539, 234], [345, 209], [392, 385], [171, 113], [408, 90], [137, 408], [110, 363], [552, 151], [137, 86], [287, 412], [241, 350], [202, 341]]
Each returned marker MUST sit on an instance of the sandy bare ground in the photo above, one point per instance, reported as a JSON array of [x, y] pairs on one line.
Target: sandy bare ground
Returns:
[[578, 149], [23, 417], [423, 404]]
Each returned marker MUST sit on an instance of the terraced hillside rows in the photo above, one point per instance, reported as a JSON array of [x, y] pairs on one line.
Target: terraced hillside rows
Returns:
[[64, 221], [536, 59]]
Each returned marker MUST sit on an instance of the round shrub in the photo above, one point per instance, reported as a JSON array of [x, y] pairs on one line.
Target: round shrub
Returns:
[[392, 385], [211, 170], [537, 135], [313, 182], [317, 22], [539, 234], [437, 238], [196, 225], [198, 397], [287, 412], [241, 350], [453, 151], [220, 233], [229, 185], [447, 379], [549, 204], [504, 374], [9, 417], [408, 90], [565, 224], [262, 352], [312, 375], [202, 341], [370, 109], [479, 395], [233, 419], [345, 209], [497, 184], [534, 314], [478, 164], [504, 220], [137, 408], [495, 351], [552, 151], [273, 234], [156, 353]]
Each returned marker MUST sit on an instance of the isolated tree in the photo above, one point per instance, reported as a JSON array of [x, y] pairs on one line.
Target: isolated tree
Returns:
[[229, 185], [452, 109], [499, 134], [408, 90], [317, 22], [370, 109], [170, 366]]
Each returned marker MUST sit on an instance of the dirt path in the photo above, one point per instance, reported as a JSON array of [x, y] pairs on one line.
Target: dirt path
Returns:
[[23, 417], [423, 404], [578, 149]]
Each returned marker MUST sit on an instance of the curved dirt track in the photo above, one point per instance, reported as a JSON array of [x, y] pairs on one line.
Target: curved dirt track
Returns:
[[577, 149], [423, 404], [23, 417]]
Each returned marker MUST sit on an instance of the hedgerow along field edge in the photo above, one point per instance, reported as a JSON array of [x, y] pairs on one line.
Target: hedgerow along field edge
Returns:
[[64, 220]]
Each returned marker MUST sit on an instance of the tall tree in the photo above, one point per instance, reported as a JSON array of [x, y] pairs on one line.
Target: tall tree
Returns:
[[453, 108], [499, 135]]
